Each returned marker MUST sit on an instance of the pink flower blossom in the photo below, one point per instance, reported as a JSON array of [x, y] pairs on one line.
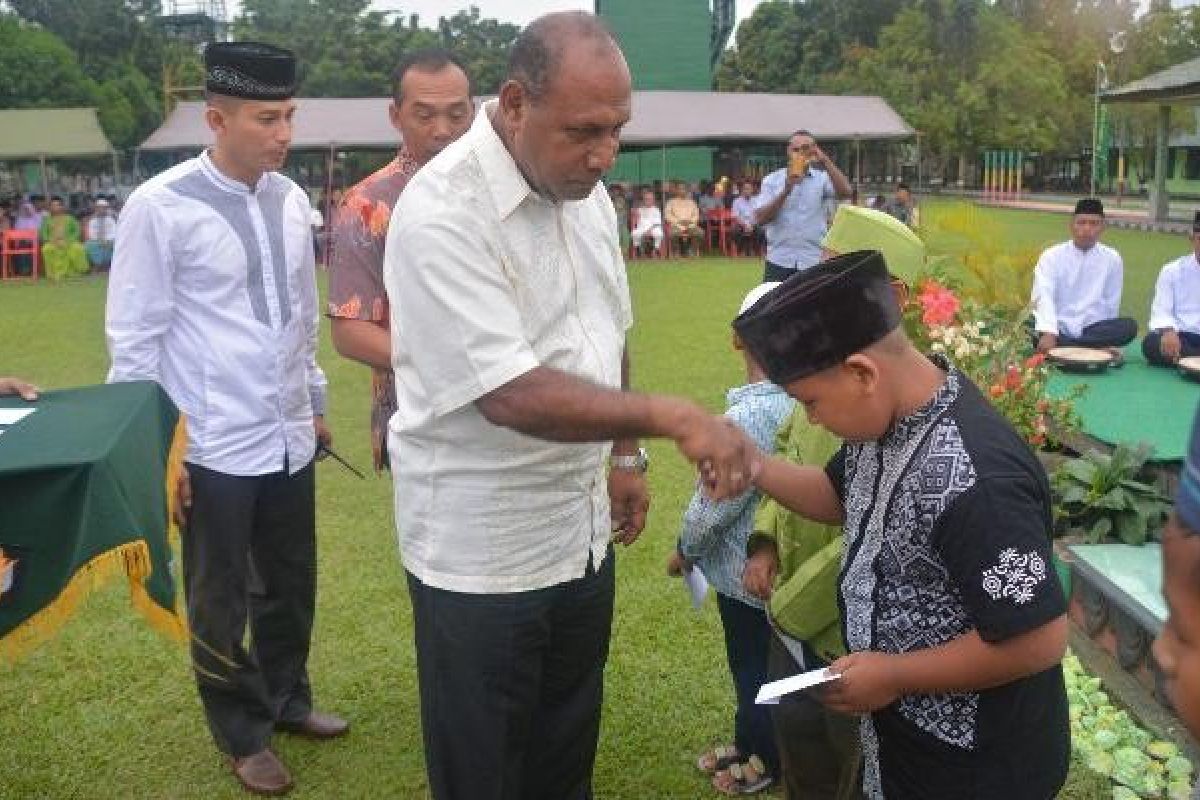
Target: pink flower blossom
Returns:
[[938, 304]]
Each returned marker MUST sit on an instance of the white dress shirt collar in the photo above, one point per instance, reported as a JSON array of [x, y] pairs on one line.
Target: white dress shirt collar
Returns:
[[228, 184], [501, 173]]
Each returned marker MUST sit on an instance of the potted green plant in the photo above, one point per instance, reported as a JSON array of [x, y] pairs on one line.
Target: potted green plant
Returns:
[[1102, 496]]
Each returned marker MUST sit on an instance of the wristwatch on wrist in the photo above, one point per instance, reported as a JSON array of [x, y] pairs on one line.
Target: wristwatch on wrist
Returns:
[[635, 462]]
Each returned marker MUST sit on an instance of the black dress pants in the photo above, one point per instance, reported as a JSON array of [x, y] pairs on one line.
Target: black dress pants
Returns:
[[249, 553], [1116, 332], [1189, 345], [511, 687]]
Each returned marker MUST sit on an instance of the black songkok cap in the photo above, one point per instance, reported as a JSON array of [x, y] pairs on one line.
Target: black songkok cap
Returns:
[[819, 317], [1196, 223], [250, 70], [1090, 205]]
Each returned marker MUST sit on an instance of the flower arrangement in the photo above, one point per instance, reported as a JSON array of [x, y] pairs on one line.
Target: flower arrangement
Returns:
[[990, 345]]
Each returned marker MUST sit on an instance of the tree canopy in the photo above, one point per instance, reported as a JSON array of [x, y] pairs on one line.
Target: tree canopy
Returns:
[[968, 74]]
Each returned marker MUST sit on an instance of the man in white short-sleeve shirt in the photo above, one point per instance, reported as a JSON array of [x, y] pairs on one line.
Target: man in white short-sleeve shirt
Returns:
[[510, 308]]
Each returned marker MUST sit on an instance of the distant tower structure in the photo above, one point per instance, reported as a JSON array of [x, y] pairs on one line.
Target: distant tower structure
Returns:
[[669, 44], [195, 21]]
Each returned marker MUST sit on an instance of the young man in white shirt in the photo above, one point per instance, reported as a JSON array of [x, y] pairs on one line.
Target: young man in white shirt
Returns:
[[99, 233], [213, 295], [510, 308], [1077, 288], [1175, 312]]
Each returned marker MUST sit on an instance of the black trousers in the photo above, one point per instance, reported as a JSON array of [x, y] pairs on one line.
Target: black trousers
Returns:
[[1116, 332], [1189, 345], [511, 687], [820, 755], [774, 272], [249, 552], [747, 641]]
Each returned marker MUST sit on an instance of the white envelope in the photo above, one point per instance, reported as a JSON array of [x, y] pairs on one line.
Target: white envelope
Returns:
[[769, 693]]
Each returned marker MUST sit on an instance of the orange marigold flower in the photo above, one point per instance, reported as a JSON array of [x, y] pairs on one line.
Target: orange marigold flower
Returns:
[[995, 390]]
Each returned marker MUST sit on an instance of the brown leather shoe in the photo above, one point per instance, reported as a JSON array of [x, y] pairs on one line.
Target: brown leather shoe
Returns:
[[317, 725], [262, 773]]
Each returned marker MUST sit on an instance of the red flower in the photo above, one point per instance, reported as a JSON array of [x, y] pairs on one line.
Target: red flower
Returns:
[[938, 304], [1035, 360], [1012, 378]]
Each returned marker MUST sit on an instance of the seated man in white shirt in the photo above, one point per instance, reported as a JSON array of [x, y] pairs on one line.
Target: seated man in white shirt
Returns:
[[745, 228], [1077, 288], [1175, 312], [99, 234], [647, 230]]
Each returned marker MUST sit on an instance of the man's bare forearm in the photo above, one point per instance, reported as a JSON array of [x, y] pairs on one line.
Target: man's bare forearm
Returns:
[[625, 446], [771, 209], [841, 184], [362, 341], [551, 404]]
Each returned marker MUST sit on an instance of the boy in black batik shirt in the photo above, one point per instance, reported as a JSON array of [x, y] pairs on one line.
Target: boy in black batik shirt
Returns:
[[953, 616]]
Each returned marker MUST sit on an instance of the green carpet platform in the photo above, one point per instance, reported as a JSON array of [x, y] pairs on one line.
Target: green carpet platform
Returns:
[[1135, 403]]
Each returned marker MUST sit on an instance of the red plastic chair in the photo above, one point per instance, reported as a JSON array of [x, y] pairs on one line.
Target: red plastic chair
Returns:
[[19, 243], [719, 227]]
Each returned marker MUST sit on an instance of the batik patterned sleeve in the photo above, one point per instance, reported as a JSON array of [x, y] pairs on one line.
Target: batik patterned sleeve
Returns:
[[356, 259], [994, 540]]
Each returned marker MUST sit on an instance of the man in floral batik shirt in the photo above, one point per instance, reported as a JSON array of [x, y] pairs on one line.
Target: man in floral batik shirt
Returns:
[[431, 108]]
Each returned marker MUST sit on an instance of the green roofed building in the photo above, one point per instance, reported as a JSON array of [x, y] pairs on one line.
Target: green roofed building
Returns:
[[669, 44]]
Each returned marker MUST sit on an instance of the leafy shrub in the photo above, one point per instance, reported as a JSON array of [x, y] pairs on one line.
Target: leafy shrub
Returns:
[[1102, 494]]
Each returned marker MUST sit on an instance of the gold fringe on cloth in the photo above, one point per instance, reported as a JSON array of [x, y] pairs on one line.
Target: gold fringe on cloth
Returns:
[[132, 559], [174, 466]]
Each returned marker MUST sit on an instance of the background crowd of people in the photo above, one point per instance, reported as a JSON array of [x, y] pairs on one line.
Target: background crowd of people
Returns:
[[687, 215], [71, 240]]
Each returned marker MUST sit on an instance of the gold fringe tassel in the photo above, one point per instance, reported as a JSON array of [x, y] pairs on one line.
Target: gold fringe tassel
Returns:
[[174, 465], [132, 559]]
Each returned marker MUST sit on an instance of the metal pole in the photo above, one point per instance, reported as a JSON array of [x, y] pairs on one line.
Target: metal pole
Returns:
[[1160, 202]]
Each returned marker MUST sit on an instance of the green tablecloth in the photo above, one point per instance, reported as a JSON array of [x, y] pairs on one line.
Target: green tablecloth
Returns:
[[1136, 403], [83, 497]]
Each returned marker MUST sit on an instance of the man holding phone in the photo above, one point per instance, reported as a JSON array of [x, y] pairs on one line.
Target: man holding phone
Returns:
[[790, 207]]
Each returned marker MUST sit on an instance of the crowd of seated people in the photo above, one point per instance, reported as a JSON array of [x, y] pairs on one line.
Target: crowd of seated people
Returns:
[[682, 217], [70, 241]]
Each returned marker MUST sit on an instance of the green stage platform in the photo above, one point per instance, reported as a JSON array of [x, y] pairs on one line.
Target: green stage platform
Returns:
[[1135, 403]]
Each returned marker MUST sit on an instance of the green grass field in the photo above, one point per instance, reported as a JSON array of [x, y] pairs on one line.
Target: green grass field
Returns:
[[108, 710]]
